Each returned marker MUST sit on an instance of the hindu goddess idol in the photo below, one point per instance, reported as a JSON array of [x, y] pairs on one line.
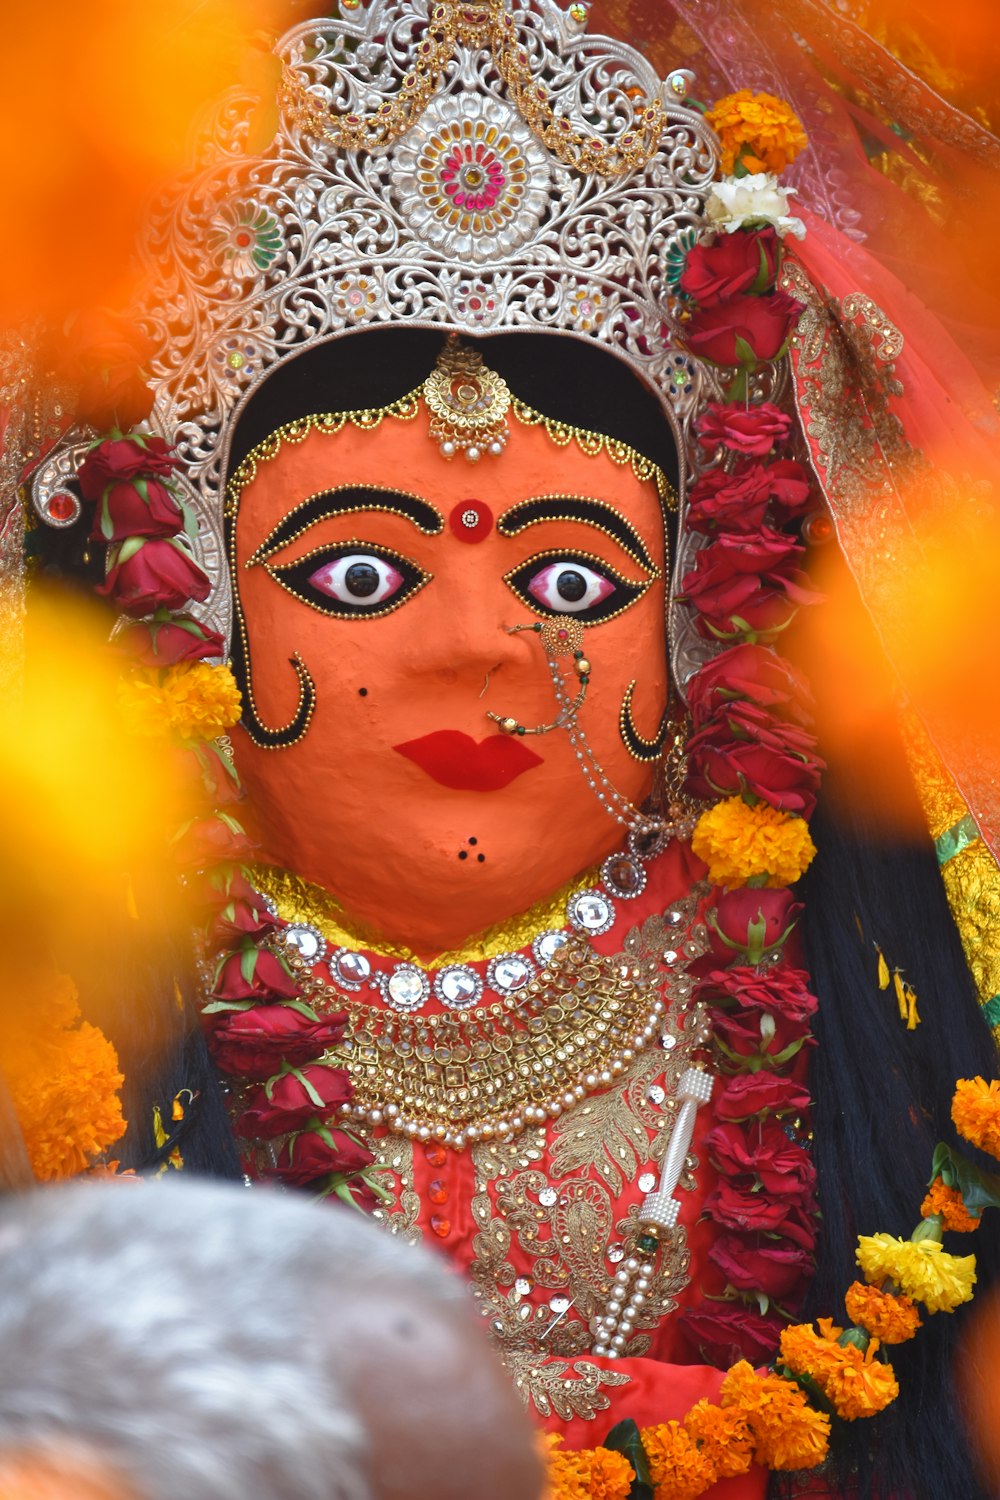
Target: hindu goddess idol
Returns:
[[510, 403]]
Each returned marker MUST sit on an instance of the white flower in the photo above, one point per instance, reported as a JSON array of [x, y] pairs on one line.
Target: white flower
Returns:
[[736, 201]]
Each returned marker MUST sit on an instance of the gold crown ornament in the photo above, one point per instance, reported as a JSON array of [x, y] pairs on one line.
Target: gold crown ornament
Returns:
[[472, 167]]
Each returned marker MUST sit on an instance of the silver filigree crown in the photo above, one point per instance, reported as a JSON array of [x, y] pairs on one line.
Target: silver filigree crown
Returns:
[[480, 215]]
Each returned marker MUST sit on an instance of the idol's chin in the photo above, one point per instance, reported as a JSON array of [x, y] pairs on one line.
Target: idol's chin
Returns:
[[433, 902]]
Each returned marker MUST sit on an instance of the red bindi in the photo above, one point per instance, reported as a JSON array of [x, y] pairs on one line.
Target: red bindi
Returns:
[[471, 520]]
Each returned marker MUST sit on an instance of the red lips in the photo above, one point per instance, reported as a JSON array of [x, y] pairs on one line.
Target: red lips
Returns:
[[455, 760]]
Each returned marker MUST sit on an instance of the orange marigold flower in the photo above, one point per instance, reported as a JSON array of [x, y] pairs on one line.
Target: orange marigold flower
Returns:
[[893, 1319], [585, 1473], [950, 1205], [722, 1436], [760, 129], [787, 1432], [975, 1109], [680, 1470], [806, 1352], [862, 1385], [63, 1079]]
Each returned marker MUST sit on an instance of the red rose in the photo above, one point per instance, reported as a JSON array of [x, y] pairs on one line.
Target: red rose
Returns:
[[721, 1333], [762, 1150], [164, 643], [752, 921], [269, 979], [220, 885], [212, 841], [312, 1155], [733, 263], [136, 507], [758, 1213], [742, 330], [750, 1094], [747, 584], [742, 748], [781, 990], [745, 1035], [148, 573], [775, 1269], [291, 1100], [752, 430], [118, 459], [105, 365], [791, 489], [730, 502], [754, 673], [241, 918], [254, 1043]]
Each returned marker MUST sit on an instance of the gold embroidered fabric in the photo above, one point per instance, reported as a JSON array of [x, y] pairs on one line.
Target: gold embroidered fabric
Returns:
[[970, 875]]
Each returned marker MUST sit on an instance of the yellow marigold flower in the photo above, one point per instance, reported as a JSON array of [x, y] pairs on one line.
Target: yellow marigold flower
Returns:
[[787, 1432], [920, 1268], [585, 1473], [889, 1318], [723, 1437], [195, 701], [63, 1078], [975, 1109], [760, 128], [738, 842], [949, 1204], [678, 1468]]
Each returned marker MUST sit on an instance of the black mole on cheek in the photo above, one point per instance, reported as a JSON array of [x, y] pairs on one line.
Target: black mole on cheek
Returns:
[[481, 858], [473, 841], [463, 853], [362, 692]]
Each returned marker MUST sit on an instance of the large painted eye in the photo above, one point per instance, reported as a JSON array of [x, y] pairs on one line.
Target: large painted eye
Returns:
[[573, 583], [351, 580]]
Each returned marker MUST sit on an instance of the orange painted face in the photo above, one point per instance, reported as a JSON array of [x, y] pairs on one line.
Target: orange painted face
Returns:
[[397, 591]]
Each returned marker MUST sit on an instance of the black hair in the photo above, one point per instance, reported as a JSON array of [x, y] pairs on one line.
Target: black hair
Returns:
[[568, 380], [882, 1100]]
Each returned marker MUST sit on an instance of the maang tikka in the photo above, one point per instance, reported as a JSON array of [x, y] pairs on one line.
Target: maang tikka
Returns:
[[468, 404]]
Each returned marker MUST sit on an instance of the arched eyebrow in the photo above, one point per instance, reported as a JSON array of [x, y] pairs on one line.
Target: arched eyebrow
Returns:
[[337, 502], [577, 508]]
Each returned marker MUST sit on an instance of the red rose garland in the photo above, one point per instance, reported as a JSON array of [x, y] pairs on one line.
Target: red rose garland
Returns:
[[752, 746], [258, 1027]]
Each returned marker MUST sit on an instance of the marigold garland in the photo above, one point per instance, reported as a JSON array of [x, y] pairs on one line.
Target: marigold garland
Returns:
[[741, 843], [892, 1319], [975, 1110], [949, 1205], [787, 1432], [63, 1077], [723, 1437], [194, 701], [851, 1378], [922, 1268], [758, 132]]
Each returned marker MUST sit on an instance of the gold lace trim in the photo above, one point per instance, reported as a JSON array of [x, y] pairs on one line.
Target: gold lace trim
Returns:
[[298, 900], [407, 408]]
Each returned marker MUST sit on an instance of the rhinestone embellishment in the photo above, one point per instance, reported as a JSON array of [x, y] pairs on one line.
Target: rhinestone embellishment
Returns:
[[349, 969], [406, 988], [308, 942], [509, 973], [458, 987], [547, 945], [591, 912]]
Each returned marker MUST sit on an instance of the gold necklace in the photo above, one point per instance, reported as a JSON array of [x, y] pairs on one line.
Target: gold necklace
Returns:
[[489, 1071]]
